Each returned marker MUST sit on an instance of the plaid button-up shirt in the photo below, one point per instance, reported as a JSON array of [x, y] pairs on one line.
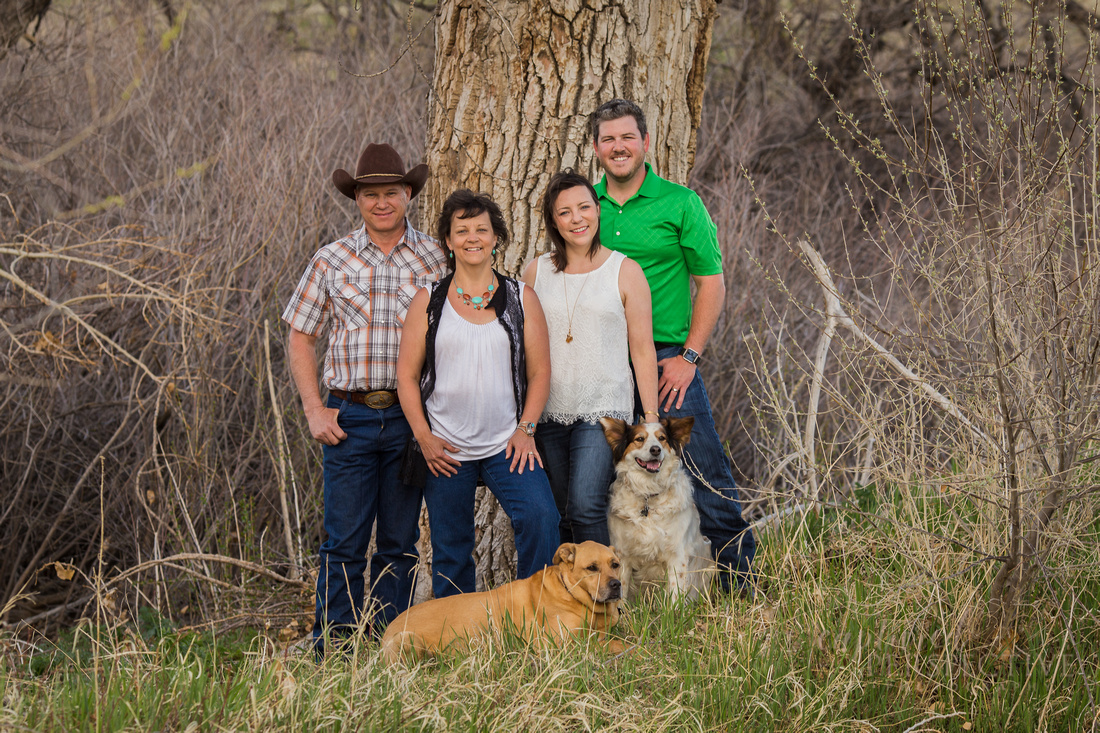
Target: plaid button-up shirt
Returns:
[[361, 296]]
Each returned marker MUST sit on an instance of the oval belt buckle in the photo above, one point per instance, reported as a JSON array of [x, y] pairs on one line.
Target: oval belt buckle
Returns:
[[378, 400]]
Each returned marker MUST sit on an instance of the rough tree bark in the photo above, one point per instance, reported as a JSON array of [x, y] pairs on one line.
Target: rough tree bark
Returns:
[[514, 85], [15, 16]]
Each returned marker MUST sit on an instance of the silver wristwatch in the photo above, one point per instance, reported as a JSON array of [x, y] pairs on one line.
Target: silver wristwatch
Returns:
[[691, 356]]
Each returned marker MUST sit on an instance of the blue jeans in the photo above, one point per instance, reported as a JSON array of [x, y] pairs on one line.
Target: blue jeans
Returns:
[[527, 501], [719, 507], [580, 468], [361, 485]]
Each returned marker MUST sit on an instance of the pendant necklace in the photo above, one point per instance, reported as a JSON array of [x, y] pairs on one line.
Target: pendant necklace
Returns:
[[570, 311], [477, 301]]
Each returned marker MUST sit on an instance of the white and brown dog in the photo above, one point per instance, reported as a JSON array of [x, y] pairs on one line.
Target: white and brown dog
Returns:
[[651, 515]]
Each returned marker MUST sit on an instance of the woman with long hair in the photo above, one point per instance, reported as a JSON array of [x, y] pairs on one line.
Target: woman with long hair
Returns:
[[599, 318]]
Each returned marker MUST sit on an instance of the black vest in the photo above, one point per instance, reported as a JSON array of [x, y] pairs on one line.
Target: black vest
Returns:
[[508, 305]]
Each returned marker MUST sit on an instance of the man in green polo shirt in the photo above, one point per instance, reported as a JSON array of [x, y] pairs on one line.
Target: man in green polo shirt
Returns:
[[665, 228]]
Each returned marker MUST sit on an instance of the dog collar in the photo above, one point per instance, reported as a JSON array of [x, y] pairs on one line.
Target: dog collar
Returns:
[[595, 603], [645, 509]]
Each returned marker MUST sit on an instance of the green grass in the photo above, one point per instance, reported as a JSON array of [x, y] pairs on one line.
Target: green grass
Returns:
[[846, 636]]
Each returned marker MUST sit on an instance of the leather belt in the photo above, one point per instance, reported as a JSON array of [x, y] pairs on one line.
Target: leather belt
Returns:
[[379, 399]]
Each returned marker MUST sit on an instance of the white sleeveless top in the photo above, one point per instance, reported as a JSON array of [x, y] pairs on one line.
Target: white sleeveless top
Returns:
[[472, 407], [590, 376]]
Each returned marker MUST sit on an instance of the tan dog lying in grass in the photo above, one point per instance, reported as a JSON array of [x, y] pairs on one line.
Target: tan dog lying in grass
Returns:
[[579, 593]]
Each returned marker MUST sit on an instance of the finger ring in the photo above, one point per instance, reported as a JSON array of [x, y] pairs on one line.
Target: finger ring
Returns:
[[675, 389], [530, 452]]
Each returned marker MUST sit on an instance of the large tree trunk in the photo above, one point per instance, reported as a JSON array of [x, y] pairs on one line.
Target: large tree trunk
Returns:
[[514, 85], [15, 16]]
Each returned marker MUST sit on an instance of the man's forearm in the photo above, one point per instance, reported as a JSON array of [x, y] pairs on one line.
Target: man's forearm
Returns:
[[303, 368], [710, 299]]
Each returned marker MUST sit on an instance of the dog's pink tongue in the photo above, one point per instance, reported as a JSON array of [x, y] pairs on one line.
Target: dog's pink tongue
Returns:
[[653, 466]]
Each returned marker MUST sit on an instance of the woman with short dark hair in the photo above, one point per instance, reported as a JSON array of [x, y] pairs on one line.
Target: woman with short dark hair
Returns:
[[473, 374]]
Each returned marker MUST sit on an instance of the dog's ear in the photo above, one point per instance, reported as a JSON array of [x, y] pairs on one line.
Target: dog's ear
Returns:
[[566, 553], [617, 433], [679, 430], [613, 429]]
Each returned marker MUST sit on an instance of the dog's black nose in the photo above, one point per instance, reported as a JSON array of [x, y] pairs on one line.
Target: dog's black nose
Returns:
[[655, 450], [614, 584]]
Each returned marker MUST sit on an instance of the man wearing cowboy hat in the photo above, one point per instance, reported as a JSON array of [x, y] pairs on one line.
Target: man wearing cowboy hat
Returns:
[[356, 291]]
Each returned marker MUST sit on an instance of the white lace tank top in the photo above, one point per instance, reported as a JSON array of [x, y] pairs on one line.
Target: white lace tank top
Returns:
[[590, 375], [472, 407]]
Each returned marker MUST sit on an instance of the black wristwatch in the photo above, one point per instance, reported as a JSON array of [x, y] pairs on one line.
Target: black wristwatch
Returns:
[[690, 355]]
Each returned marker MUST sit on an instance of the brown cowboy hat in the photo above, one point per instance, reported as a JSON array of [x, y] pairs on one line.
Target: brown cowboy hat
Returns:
[[380, 164]]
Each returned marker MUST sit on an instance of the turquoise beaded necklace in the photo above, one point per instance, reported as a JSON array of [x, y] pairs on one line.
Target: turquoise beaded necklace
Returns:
[[477, 301]]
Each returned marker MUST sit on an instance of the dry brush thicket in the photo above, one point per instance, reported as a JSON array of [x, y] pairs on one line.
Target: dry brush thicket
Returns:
[[956, 367], [163, 188]]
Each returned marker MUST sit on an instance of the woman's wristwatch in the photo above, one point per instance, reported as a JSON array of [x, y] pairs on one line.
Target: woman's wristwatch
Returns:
[[528, 428]]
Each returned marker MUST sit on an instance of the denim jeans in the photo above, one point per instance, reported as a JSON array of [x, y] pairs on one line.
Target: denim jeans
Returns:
[[361, 485], [527, 501], [719, 507], [579, 465]]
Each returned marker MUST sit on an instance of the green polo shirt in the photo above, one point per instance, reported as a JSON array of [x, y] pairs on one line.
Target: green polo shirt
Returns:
[[666, 229]]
